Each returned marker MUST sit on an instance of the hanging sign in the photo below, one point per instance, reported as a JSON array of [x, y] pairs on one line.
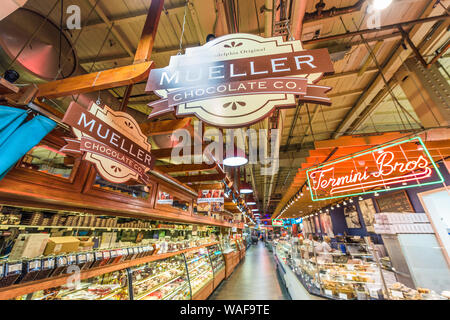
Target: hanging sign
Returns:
[[277, 222], [399, 165], [239, 79], [211, 201], [112, 140]]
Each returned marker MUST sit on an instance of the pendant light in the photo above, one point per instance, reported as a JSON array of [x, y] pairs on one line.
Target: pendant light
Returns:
[[236, 159]]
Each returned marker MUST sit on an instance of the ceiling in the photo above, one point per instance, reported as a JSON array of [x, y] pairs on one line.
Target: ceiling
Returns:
[[111, 31]]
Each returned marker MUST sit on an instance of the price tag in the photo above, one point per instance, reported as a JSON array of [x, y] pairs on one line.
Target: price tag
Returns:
[[329, 293], [3, 228], [21, 228], [343, 296], [397, 294], [69, 229], [109, 229], [40, 228]]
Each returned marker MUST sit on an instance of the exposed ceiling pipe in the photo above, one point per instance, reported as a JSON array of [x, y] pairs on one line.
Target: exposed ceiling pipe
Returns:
[[268, 13], [299, 8], [332, 12]]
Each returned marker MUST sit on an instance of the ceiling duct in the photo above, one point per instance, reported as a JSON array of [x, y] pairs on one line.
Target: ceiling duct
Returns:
[[9, 6], [40, 61]]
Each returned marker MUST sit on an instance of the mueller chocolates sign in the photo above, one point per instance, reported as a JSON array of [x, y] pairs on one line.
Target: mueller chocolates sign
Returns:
[[388, 167], [239, 79], [112, 140]]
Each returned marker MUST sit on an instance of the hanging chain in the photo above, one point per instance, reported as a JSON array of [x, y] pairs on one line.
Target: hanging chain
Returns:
[[180, 50], [96, 57], [77, 38], [394, 98]]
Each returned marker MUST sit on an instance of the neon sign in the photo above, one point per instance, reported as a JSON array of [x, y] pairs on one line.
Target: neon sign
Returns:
[[399, 165], [277, 222]]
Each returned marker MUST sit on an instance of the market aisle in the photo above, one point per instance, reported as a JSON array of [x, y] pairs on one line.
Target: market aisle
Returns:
[[253, 279]]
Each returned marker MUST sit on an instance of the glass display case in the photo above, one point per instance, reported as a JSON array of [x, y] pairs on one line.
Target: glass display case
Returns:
[[109, 286], [199, 268], [179, 277], [217, 259], [161, 280], [349, 273]]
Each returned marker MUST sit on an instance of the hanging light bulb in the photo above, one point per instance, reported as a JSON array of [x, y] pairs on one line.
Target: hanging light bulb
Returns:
[[338, 206], [351, 200], [360, 198], [332, 208], [344, 203]]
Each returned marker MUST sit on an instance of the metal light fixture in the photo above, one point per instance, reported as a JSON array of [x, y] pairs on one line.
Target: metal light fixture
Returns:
[[245, 188], [236, 159]]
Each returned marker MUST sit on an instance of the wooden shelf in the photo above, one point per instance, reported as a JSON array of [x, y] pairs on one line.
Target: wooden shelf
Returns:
[[23, 227], [7, 87], [17, 290]]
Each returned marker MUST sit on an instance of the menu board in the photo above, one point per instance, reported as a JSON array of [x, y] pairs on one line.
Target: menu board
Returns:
[[210, 201], [395, 202]]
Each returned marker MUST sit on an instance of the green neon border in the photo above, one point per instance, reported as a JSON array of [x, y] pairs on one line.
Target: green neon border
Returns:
[[361, 153]]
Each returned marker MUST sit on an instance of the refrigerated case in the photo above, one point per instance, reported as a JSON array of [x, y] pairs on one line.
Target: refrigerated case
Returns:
[[218, 263], [200, 273], [190, 275], [109, 286], [161, 280]]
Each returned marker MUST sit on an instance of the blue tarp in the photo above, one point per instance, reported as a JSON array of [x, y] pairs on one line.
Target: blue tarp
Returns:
[[17, 137]]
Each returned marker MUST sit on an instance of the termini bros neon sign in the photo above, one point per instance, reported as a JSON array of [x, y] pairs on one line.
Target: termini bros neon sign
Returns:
[[384, 168]]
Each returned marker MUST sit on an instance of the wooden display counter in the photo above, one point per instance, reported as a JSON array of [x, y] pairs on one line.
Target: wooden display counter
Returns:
[[14, 291], [219, 277], [205, 291], [231, 261]]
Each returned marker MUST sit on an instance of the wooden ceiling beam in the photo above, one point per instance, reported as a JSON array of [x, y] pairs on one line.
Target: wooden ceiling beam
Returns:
[[148, 36], [200, 177], [167, 152], [166, 126], [213, 186], [96, 81], [186, 168]]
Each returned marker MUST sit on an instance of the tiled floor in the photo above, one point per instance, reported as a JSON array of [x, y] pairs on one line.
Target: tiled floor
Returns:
[[255, 278]]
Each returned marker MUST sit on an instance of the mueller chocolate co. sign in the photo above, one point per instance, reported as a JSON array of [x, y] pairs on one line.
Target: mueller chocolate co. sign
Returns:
[[239, 79], [112, 140]]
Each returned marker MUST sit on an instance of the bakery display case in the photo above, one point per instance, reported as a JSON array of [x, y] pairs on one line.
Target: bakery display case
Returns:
[[161, 280], [216, 256], [109, 286], [218, 263], [200, 273], [350, 274]]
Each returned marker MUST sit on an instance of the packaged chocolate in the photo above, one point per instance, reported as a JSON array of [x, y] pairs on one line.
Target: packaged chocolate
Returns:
[[47, 266], [90, 259], [30, 269], [71, 260], [114, 254], [12, 272], [98, 259], [123, 254], [61, 265], [81, 259], [106, 258]]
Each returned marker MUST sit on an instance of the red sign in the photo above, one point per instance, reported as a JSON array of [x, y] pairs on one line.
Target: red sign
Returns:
[[388, 167], [112, 140], [239, 79]]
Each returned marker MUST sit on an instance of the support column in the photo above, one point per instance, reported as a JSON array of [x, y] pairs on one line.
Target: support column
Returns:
[[427, 91]]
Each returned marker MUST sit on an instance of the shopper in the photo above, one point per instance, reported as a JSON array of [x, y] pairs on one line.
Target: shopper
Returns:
[[323, 251]]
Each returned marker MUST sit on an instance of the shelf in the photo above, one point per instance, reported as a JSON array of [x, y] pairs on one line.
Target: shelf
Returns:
[[158, 287], [23, 227], [174, 292], [17, 290], [156, 275]]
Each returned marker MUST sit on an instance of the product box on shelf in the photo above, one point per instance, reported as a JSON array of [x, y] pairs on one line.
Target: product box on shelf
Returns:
[[57, 245], [29, 246]]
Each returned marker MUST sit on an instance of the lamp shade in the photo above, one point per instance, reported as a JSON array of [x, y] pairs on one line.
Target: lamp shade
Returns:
[[235, 158]]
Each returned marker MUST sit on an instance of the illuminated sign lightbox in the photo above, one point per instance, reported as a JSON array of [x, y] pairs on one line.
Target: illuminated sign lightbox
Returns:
[[399, 165], [277, 222]]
